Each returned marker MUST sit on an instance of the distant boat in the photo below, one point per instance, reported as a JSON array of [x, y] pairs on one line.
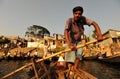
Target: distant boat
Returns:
[[112, 59], [90, 57]]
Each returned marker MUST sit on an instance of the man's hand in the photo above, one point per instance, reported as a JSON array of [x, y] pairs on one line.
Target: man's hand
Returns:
[[100, 38], [72, 47]]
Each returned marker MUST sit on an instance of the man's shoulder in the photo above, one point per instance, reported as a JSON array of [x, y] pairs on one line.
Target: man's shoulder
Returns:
[[70, 20], [82, 17]]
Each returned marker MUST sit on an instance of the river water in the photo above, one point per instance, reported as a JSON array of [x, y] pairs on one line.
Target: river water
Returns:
[[101, 70]]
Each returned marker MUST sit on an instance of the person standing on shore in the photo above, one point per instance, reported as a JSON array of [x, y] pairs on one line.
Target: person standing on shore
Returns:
[[36, 53], [74, 29], [45, 49]]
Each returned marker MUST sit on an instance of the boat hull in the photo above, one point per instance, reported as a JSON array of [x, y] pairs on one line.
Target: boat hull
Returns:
[[112, 59]]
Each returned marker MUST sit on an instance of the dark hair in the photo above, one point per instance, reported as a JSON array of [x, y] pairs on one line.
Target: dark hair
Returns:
[[78, 8]]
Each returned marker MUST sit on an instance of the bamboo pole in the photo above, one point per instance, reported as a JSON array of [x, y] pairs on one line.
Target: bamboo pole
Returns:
[[39, 60], [46, 71], [34, 67]]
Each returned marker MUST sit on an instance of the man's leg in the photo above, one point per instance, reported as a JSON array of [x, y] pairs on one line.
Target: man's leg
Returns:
[[77, 61], [76, 64], [75, 67]]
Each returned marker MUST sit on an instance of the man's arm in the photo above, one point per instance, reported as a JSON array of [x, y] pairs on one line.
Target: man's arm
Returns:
[[67, 37]]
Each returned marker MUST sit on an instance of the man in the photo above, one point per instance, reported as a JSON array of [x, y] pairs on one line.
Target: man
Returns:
[[74, 29]]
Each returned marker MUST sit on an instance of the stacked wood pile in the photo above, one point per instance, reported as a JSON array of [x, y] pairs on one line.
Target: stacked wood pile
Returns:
[[21, 52]]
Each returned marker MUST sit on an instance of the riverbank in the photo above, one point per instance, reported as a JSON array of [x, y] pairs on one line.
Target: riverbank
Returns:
[[19, 53]]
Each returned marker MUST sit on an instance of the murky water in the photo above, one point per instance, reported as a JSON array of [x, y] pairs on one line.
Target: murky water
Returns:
[[102, 70], [9, 66], [99, 69]]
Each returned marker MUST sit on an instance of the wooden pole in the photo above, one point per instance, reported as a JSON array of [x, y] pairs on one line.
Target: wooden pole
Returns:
[[34, 67], [39, 60], [46, 71]]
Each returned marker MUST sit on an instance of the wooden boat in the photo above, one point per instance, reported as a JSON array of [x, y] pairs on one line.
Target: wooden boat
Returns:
[[49, 70], [112, 59], [68, 74], [62, 73]]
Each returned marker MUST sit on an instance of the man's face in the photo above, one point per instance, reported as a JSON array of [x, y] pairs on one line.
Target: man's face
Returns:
[[77, 15]]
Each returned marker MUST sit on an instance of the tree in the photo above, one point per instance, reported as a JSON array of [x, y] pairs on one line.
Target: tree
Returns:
[[37, 31], [4, 41]]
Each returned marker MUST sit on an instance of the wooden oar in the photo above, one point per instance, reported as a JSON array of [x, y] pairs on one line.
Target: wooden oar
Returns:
[[53, 55]]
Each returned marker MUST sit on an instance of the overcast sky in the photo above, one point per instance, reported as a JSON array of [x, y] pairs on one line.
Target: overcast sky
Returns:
[[17, 15]]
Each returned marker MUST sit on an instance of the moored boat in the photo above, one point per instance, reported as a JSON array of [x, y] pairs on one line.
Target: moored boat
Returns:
[[91, 57], [112, 59]]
